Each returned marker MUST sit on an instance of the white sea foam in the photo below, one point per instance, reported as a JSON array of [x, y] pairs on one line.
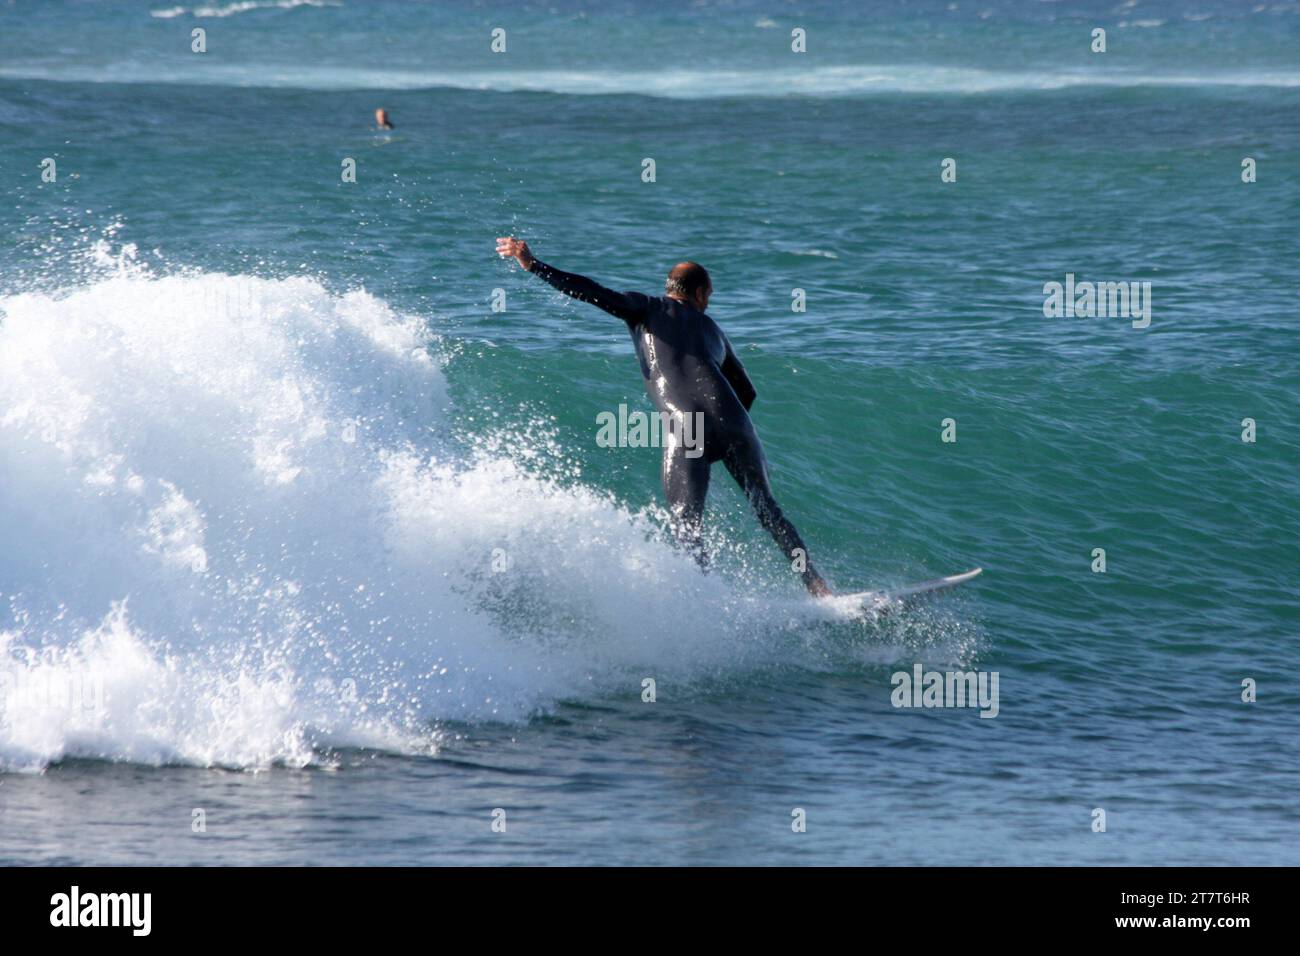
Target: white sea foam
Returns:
[[236, 528]]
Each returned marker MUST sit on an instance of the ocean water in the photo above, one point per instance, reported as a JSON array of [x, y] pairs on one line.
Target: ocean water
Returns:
[[301, 541]]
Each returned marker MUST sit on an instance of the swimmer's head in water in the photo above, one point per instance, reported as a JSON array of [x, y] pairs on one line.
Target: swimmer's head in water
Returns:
[[689, 281], [381, 119]]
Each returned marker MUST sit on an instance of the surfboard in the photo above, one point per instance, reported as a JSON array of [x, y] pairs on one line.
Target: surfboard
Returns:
[[881, 600]]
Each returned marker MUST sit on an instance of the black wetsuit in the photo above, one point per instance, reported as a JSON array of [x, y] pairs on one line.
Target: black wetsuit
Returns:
[[689, 366]]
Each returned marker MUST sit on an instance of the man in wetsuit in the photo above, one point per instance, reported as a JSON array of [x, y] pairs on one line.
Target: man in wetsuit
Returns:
[[689, 367]]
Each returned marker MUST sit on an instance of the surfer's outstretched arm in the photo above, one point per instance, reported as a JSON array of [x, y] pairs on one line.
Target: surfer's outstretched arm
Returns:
[[628, 306]]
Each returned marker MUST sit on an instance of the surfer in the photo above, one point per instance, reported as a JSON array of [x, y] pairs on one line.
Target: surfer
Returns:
[[690, 368], [381, 119]]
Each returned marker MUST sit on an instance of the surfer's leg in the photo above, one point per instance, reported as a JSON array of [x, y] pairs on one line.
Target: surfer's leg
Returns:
[[686, 484], [745, 460]]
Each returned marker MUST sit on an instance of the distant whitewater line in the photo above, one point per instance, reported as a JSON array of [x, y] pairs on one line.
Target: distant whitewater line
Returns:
[[243, 6], [829, 81]]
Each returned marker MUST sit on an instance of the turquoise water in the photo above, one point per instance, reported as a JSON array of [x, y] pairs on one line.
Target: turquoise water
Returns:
[[276, 415]]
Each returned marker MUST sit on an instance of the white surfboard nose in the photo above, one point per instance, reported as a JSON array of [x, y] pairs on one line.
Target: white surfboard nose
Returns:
[[876, 600]]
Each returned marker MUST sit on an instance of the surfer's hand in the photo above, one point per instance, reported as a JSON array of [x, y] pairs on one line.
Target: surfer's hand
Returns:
[[510, 247]]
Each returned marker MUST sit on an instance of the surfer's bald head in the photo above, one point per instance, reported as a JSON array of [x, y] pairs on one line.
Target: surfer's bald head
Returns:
[[689, 281]]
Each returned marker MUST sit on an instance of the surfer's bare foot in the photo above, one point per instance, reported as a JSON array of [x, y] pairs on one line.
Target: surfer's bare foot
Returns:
[[819, 589]]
